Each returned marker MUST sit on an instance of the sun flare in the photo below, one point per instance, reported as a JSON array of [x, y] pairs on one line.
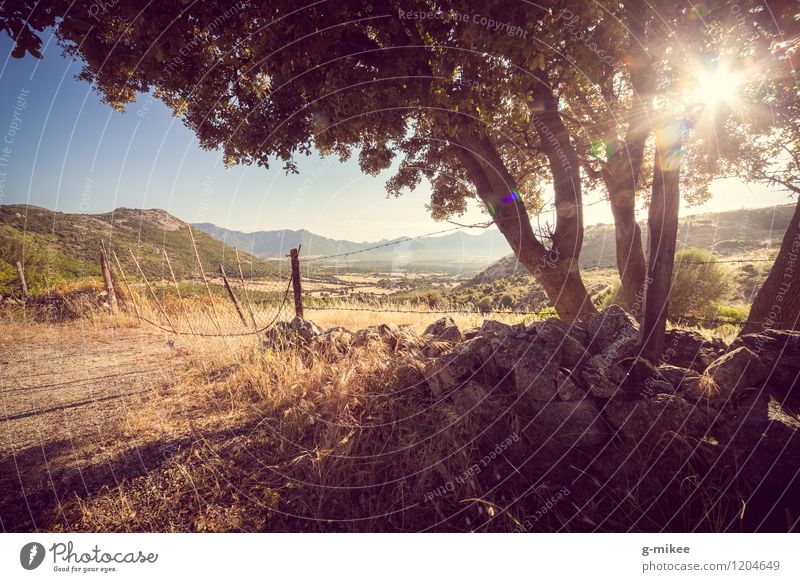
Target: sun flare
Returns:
[[716, 86]]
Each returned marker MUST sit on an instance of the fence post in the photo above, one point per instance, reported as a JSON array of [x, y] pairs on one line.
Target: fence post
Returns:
[[298, 293], [106, 270], [127, 287], [231, 295], [22, 284]]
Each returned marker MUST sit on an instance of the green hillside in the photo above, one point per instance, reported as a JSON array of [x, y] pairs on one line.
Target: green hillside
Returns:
[[58, 246]]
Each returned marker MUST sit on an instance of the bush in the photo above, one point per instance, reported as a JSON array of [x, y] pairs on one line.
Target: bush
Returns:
[[699, 284]]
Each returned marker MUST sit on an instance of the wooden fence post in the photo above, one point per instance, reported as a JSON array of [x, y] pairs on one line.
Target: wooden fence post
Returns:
[[22, 284], [298, 293], [105, 268], [127, 287], [231, 295], [662, 224]]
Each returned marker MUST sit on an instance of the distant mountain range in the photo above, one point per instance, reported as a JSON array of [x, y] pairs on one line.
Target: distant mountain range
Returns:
[[458, 247], [724, 233]]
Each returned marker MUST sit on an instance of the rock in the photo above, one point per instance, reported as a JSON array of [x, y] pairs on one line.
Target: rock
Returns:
[[689, 349], [306, 329], [643, 377], [563, 425], [278, 336], [444, 329], [602, 379], [567, 389], [652, 418], [779, 351], [676, 375], [471, 360], [492, 328], [735, 371], [472, 332], [613, 333], [536, 369], [367, 337], [469, 397], [698, 389], [334, 341], [575, 330], [572, 353]]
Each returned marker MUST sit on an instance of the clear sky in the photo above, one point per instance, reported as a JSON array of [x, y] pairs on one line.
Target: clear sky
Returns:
[[71, 153]]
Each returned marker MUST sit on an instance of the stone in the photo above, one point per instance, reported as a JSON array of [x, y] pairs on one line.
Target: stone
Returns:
[[689, 349], [469, 397], [471, 360], [643, 377], [471, 333], [567, 389], [735, 371], [613, 333], [652, 418], [367, 337], [572, 353], [444, 329], [306, 329], [675, 375], [492, 328], [334, 341], [779, 351], [601, 378], [551, 325]]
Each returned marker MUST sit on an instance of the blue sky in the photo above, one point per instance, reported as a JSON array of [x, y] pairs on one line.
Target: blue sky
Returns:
[[72, 153]]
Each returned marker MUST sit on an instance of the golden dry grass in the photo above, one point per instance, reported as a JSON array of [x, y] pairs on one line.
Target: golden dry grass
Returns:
[[246, 439]]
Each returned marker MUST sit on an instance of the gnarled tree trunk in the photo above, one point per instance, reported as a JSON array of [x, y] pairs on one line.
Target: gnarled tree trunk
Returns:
[[621, 173], [555, 269], [777, 303], [663, 231]]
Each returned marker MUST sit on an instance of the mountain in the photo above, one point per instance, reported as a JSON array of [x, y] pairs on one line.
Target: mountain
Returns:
[[459, 248], [68, 245], [746, 233]]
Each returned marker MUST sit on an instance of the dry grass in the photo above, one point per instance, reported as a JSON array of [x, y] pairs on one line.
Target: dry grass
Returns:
[[243, 439]]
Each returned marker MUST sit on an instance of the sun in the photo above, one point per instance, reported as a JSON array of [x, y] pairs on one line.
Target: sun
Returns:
[[714, 86]]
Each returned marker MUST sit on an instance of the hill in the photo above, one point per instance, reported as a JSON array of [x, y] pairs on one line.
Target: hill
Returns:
[[743, 234], [65, 246]]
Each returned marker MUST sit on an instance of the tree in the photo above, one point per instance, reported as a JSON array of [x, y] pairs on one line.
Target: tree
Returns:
[[501, 105], [425, 82]]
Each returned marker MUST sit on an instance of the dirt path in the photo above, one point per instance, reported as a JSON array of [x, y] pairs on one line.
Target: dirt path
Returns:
[[64, 390]]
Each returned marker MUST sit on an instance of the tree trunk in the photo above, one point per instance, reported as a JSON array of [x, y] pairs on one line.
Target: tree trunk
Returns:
[[777, 303], [663, 232], [555, 270], [631, 263], [621, 175]]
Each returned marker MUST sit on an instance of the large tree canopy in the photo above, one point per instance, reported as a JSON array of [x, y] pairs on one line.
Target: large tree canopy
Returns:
[[503, 100]]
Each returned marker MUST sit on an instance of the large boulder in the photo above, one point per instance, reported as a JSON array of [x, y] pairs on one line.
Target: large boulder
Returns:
[[613, 333], [602, 378], [472, 360], [689, 349], [676, 375], [305, 329], [444, 329], [334, 341], [652, 418], [736, 371], [779, 351]]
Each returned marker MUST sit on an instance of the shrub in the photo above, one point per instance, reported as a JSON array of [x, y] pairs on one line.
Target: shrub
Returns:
[[698, 284]]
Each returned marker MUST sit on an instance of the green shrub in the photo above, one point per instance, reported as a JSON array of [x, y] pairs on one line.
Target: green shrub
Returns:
[[699, 284]]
